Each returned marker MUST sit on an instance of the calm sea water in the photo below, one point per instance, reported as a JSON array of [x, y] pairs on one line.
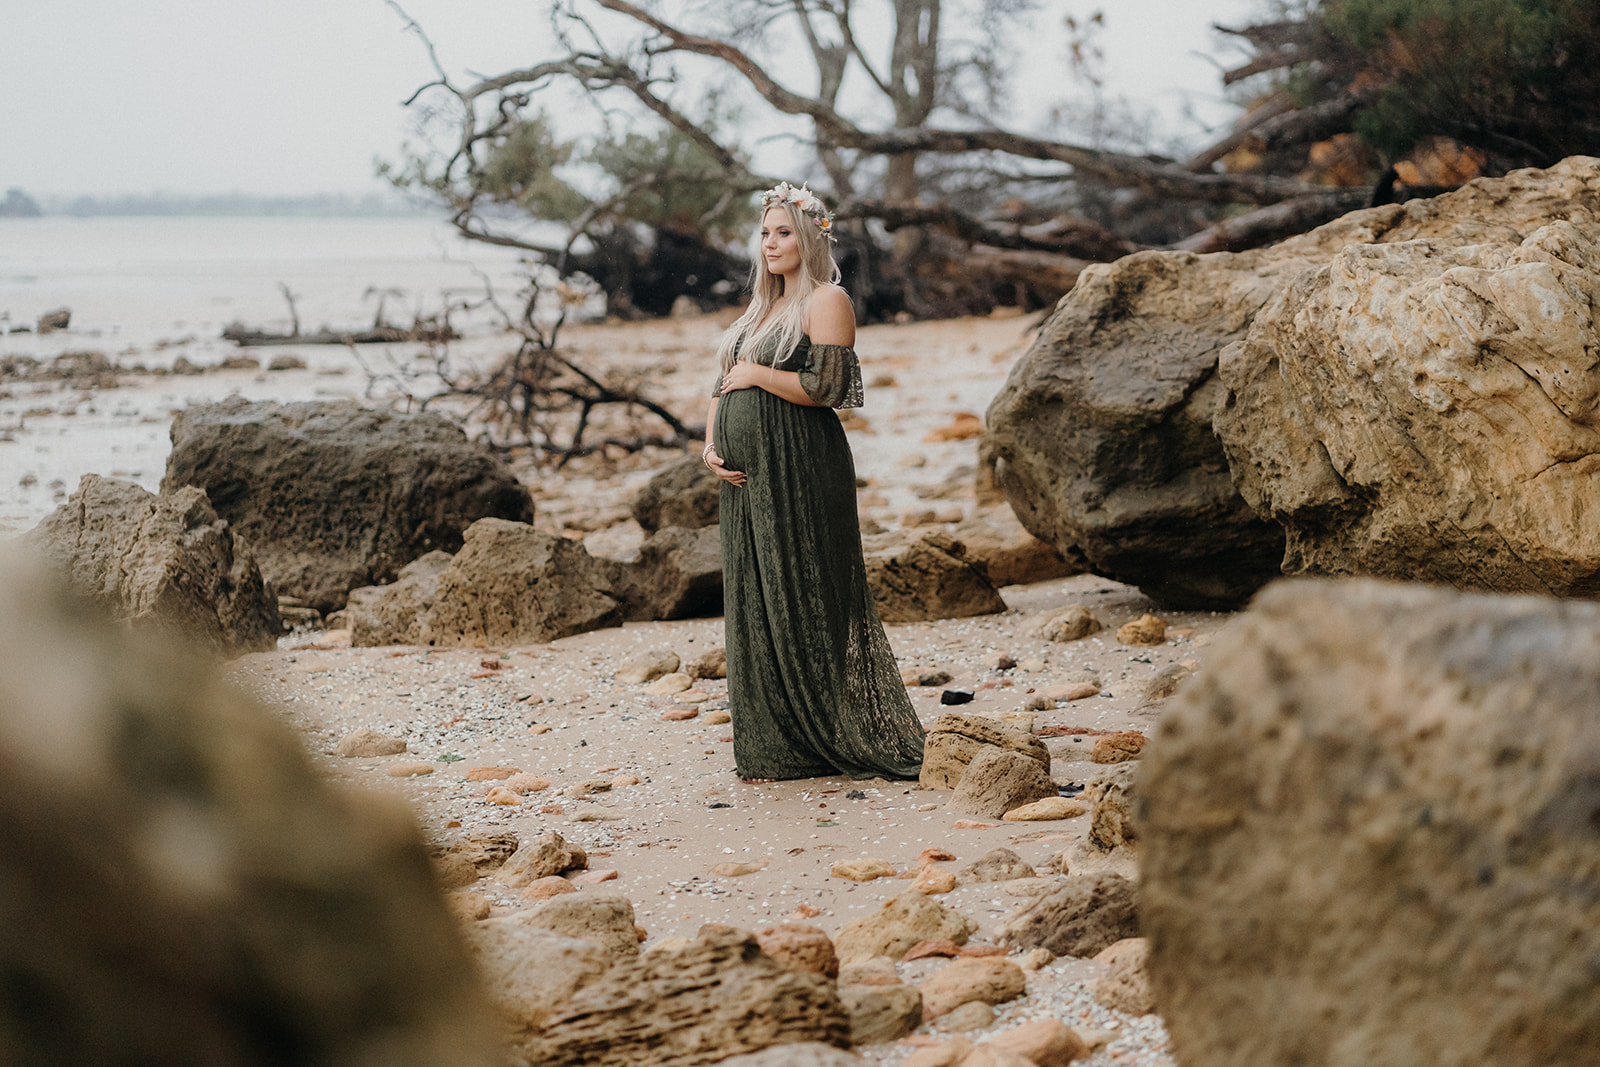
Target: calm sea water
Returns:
[[135, 281], [147, 290]]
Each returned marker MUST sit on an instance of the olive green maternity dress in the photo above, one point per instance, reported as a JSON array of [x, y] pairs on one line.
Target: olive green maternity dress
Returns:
[[813, 687]]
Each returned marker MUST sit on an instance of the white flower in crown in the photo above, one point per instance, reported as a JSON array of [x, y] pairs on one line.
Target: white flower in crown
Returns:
[[804, 199]]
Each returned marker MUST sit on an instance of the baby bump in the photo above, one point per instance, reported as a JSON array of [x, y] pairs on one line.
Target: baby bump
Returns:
[[737, 431]]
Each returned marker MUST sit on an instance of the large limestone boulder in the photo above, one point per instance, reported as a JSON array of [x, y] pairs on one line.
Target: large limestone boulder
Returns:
[[1369, 833], [1102, 439], [915, 578], [685, 494], [1425, 408], [333, 496], [699, 1003], [510, 584], [163, 563], [181, 886]]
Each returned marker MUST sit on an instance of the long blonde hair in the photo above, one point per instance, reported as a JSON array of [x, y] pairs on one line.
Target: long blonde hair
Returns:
[[817, 268]]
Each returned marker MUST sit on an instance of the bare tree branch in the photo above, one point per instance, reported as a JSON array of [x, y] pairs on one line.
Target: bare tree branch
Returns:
[[1154, 176]]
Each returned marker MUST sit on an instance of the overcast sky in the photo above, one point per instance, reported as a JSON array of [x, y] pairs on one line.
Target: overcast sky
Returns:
[[298, 96]]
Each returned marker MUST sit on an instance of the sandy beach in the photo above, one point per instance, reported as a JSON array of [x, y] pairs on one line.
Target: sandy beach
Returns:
[[558, 711]]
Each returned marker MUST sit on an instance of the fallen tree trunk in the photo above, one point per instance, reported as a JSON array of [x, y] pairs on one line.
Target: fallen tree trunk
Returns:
[[242, 335]]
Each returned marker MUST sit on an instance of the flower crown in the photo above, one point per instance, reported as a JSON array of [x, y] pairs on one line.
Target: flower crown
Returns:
[[805, 200]]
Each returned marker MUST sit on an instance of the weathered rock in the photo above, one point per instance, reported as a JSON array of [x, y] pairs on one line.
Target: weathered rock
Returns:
[[864, 869], [480, 852], [926, 578], [965, 1018], [927, 949], [716, 997], [648, 665], [998, 780], [392, 614], [1035, 958], [1070, 624], [551, 885], [365, 742], [802, 947], [934, 880], [991, 981], [1071, 691], [1047, 810], [1088, 913], [712, 664], [540, 857], [1103, 439], [1042, 1042], [956, 738], [1147, 629], [408, 769], [685, 494], [53, 320], [1009, 554], [1393, 790], [676, 575], [1125, 987], [1118, 747], [510, 584], [606, 919], [1423, 408], [901, 922], [162, 563], [996, 865], [1111, 797], [874, 970], [1164, 683], [669, 684], [880, 1014], [181, 883], [531, 973], [949, 1054], [332, 496]]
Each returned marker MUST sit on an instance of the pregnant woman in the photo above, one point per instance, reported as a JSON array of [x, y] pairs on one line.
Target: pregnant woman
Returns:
[[812, 683]]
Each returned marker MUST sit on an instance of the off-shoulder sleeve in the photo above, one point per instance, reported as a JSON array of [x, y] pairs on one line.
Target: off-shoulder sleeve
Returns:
[[831, 376]]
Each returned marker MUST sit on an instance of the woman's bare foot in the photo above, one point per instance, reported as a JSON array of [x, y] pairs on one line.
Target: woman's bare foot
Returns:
[[758, 781]]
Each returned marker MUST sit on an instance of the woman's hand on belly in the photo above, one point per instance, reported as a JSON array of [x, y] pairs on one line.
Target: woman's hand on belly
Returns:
[[721, 470], [744, 375]]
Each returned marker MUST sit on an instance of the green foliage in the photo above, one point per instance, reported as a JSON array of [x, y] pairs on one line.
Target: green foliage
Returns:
[[1517, 78], [520, 169], [686, 193]]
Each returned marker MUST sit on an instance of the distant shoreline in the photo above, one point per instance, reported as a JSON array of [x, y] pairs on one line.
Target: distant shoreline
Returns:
[[231, 205]]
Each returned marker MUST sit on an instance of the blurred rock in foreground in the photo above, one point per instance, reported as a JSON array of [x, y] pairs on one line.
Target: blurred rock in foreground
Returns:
[[178, 886], [1370, 834]]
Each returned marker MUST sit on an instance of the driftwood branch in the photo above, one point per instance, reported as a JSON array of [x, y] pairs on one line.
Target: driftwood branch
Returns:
[[1275, 222]]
